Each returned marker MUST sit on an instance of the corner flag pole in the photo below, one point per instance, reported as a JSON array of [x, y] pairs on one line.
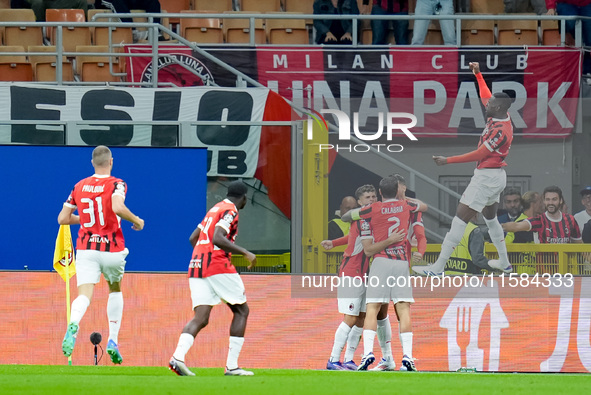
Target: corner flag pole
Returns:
[[67, 287]]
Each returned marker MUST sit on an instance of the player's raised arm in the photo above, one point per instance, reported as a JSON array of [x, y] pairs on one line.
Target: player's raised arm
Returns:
[[472, 156], [485, 93]]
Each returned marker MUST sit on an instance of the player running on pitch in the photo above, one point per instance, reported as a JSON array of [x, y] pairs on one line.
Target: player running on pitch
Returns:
[[487, 184]]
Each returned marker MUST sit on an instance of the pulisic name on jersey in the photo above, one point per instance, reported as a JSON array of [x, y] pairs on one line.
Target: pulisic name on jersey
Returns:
[[93, 188]]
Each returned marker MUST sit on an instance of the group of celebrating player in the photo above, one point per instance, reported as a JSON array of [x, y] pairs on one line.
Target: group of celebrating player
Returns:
[[381, 230]]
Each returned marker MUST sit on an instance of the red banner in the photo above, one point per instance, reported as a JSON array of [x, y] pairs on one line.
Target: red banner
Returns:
[[434, 84]]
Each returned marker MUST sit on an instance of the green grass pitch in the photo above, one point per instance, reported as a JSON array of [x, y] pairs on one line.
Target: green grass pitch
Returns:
[[127, 380]]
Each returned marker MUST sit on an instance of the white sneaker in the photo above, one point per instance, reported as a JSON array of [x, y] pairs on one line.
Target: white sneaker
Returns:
[[366, 361], [385, 365], [238, 372], [496, 264], [179, 367], [408, 364], [427, 270]]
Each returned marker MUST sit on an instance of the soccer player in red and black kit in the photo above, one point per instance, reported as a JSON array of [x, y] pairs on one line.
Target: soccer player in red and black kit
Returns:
[[487, 184], [553, 226], [389, 273], [100, 247], [351, 298], [213, 278], [384, 329]]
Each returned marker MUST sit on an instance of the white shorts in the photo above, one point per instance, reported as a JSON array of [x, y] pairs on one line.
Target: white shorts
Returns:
[[209, 291], [351, 296], [485, 188], [90, 264], [389, 280]]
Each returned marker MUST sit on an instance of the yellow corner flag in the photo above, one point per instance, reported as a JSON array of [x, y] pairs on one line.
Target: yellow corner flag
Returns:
[[63, 257]]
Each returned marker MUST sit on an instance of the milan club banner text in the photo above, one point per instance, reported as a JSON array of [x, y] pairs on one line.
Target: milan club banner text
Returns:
[[435, 84]]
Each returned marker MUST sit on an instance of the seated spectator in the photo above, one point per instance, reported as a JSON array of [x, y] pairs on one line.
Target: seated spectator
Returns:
[[334, 31], [574, 7], [511, 205], [379, 28], [525, 6], [434, 7], [39, 6], [125, 7]]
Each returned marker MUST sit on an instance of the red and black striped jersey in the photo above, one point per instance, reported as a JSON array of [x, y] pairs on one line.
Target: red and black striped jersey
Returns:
[[497, 137], [100, 227], [208, 259], [355, 263], [555, 232], [384, 218]]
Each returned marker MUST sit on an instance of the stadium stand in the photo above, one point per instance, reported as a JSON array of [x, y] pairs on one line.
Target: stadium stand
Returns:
[[208, 5], [14, 67], [287, 31], [201, 30], [45, 66], [517, 32], [94, 68], [260, 5], [237, 30], [478, 32], [20, 35], [100, 35], [72, 36]]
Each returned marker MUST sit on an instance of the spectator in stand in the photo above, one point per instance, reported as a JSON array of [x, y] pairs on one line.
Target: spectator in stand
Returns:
[[434, 7], [525, 6], [334, 31], [583, 217], [574, 7], [125, 7], [379, 28], [40, 6], [511, 205]]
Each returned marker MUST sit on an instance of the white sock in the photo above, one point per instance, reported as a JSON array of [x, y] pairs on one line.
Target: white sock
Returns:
[[406, 340], [234, 351], [368, 340], [340, 338], [114, 314], [185, 343], [495, 231], [452, 239], [352, 343], [385, 338], [79, 306]]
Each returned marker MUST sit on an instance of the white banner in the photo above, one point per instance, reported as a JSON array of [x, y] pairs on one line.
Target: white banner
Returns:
[[232, 150]]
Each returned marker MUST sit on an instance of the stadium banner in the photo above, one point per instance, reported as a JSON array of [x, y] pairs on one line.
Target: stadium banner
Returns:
[[435, 84], [536, 329], [232, 151]]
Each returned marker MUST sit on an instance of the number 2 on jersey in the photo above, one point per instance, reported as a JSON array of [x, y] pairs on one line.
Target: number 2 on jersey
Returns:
[[90, 211], [392, 228]]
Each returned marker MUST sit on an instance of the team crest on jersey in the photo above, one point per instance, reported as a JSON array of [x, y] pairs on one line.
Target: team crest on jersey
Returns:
[[229, 218]]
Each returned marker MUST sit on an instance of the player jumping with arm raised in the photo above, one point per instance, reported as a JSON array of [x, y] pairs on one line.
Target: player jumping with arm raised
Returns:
[[487, 184]]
